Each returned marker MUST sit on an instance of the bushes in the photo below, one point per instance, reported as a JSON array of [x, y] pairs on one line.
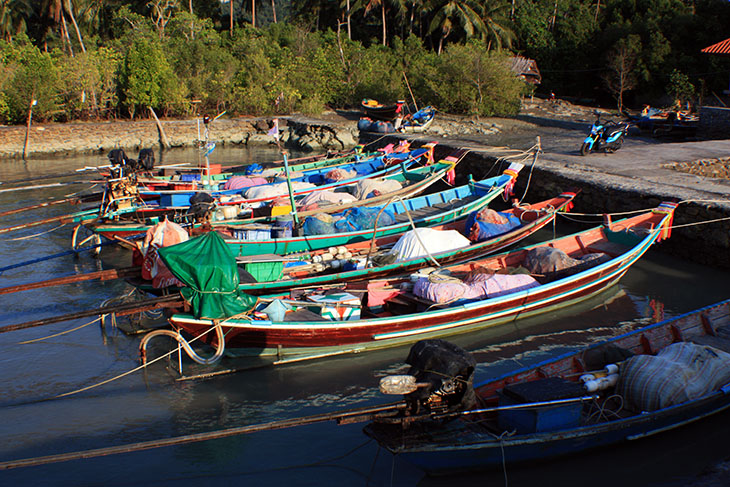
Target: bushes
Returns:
[[280, 69], [146, 79], [28, 74], [474, 81]]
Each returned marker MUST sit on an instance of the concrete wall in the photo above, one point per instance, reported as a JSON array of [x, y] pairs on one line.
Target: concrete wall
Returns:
[[714, 123], [707, 244]]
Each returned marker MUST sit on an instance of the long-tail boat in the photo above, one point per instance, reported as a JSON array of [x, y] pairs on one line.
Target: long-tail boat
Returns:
[[360, 260], [638, 385], [384, 313], [137, 222]]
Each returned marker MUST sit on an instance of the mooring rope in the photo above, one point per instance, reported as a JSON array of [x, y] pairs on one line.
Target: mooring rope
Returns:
[[37, 234], [63, 332]]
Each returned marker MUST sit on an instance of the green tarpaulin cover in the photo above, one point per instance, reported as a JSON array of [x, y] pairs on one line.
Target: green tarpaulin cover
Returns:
[[209, 269]]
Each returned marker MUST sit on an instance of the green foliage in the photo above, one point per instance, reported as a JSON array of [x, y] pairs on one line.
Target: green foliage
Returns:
[[28, 74], [680, 88], [201, 61], [146, 79], [90, 83], [475, 81]]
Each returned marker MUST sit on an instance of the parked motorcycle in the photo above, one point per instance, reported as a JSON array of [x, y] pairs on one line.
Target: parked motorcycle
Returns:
[[607, 137]]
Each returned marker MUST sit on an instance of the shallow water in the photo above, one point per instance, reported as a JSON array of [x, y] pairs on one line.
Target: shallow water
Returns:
[[151, 404]]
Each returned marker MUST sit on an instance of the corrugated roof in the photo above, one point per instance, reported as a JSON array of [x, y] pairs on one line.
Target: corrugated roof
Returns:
[[722, 47]]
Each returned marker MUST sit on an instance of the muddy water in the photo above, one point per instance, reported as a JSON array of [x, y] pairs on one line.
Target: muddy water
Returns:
[[40, 364]]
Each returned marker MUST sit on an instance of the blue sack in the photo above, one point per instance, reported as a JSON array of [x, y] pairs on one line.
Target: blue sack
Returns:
[[254, 169]]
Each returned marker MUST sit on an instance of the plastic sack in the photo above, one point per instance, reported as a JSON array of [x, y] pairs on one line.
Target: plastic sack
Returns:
[[487, 223]]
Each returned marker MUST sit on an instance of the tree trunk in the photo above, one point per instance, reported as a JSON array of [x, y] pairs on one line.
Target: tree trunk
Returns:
[[253, 13], [70, 9], [382, 3], [192, 23], [349, 31], [64, 34], [231, 12], [273, 9]]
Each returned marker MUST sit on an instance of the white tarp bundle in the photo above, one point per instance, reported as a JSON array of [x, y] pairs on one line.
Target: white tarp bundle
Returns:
[[273, 190], [409, 245]]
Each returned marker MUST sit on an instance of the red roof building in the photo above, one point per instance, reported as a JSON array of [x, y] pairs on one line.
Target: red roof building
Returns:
[[721, 48]]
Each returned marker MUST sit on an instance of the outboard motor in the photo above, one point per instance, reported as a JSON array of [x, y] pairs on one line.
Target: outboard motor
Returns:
[[440, 379], [146, 159], [201, 206], [117, 157]]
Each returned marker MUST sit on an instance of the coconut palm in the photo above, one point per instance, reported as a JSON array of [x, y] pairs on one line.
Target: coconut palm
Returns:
[[452, 14], [12, 17], [485, 21]]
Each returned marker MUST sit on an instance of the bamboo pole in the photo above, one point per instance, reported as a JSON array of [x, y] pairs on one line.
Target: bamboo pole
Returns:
[[33, 103], [120, 310], [342, 417], [106, 275]]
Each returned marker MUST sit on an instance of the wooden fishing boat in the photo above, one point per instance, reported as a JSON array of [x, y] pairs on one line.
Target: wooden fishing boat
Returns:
[[378, 111], [186, 178], [317, 179], [357, 261], [403, 214], [412, 182], [604, 395], [419, 122], [388, 312]]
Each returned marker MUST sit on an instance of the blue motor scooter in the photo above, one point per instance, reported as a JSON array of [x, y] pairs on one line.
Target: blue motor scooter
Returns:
[[608, 137]]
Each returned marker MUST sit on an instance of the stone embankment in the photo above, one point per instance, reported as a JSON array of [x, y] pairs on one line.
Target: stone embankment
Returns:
[[296, 132]]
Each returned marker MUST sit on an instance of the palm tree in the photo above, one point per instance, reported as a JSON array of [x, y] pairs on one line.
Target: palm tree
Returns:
[[487, 22], [12, 17], [57, 10], [451, 14]]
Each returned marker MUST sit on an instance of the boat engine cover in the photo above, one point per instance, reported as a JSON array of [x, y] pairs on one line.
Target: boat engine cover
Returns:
[[448, 371]]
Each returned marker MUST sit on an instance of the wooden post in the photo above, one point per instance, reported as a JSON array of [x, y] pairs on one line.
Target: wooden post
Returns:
[[33, 103], [163, 137]]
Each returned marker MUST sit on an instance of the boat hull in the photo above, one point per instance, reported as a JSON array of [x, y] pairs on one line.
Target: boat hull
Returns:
[[453, 448], [311, 339]]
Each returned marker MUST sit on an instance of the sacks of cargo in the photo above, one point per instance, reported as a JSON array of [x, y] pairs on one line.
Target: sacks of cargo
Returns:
[[478, 286], [679, 372], [486, 223], [367, 188]]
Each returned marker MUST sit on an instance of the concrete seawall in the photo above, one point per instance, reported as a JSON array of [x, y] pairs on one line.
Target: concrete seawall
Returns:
[[634, 178]]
